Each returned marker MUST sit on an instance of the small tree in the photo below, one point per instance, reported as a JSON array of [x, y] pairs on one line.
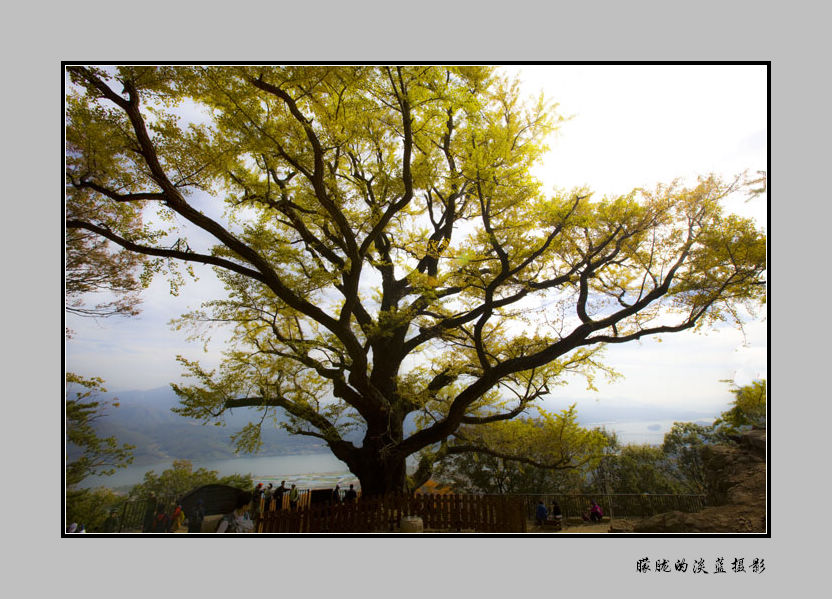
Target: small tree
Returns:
[[96, 456], [181, 478], [88, 454], [748, 410], [682, 449]]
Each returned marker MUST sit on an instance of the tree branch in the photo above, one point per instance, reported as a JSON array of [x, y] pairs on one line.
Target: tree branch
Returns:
[[118, 197], [177, 203], [164, 252], [558, 465]]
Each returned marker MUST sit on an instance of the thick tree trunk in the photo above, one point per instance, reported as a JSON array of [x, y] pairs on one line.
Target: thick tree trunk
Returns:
[[379, 467], [379, 476]]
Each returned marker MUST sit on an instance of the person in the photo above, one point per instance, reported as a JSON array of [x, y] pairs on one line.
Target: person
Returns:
[[238, 519], [540, 513], [177, 519], [350, 496], [258, 493], [595, 512], [267, 495], [196, 517], [556, 512], [72, 528], [278, 495], [336, 494], [161, 523], [294, 495], [81, 529]]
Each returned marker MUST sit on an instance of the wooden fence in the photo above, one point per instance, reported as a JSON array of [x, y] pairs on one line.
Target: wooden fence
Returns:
[[270, 504], [468, 513], [618, 505], [478, 513]]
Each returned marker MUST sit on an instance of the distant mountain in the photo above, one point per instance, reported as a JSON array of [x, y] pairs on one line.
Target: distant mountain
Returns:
[[145, 419]]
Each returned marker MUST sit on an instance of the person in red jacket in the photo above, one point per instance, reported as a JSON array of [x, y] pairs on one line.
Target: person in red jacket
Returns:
[[177, 519]]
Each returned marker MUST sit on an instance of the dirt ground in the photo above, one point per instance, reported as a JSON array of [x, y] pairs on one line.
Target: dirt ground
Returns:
[[583, 528], [586, 528]]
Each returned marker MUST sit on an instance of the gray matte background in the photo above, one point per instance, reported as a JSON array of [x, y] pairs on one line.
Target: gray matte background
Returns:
[[34, 41]]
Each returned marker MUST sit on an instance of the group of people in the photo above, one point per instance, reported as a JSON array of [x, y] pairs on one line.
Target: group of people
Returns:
[[237, 520], [240, 519], [270, 492], [158, 519], [542, 514], [168, 522], [349, 496]]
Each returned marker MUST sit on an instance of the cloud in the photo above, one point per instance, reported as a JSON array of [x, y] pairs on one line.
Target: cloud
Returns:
[[639, 125]]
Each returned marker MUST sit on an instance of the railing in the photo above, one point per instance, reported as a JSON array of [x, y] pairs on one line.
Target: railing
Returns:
[[271, 503], [469, 513], [133, 513], [618, 505]]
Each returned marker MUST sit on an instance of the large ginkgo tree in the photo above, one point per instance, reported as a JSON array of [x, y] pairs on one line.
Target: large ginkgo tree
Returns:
[[387, 255]]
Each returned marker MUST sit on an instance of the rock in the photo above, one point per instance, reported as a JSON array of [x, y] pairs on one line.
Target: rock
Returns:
[[736, 479], [756, 440], [621, 526], [411, 524], [710, 520], [211, 523]]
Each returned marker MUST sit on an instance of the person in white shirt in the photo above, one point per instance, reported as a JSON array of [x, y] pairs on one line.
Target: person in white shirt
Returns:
[[238, 520]]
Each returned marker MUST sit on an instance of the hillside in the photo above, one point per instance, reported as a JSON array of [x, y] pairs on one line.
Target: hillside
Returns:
[[145, 419]]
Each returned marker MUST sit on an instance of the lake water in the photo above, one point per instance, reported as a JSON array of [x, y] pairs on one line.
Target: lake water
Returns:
[[651, 432], [324, 470], [306, 471]]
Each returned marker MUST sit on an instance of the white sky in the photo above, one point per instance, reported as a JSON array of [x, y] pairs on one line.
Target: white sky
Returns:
[[632, 126]]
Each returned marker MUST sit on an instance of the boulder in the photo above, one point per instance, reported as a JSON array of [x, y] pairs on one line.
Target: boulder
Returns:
[[755, 440], [710, 520]]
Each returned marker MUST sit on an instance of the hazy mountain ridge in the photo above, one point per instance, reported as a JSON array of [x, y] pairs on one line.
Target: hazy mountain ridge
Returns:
[[145, 419]]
